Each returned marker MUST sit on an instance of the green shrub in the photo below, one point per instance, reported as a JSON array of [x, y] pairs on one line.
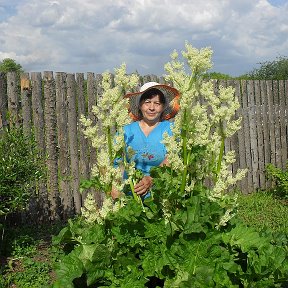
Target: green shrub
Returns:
[[20, 167], [280, 179], [270, 70]]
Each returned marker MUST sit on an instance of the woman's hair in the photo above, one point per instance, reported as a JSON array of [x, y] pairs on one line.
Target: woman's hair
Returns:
[[151, 93]]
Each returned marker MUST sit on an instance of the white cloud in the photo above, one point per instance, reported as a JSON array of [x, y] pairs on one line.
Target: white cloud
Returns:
[[87, 35]]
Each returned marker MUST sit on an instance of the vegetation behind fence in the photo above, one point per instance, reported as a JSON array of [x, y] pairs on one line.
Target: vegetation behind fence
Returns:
[[50, 104]]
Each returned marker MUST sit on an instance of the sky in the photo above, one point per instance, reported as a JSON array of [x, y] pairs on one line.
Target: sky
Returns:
[[99, 35]]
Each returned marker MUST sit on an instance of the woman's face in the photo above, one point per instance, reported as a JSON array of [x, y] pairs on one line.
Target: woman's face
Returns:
[[152, 109]]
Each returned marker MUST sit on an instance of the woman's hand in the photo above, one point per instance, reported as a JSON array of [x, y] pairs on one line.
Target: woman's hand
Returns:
[[143, 186]]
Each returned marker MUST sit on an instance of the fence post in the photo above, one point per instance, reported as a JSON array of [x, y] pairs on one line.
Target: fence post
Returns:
[[51, 144], [266, 127], [83, 142], [253, 135], [73, 140], [277, 123], [283, 121], [13, 98], [91, 95], [63, 146], [26, 104], [260, 133], [3, 101], [271, 121], [234, 140], [39, 131]]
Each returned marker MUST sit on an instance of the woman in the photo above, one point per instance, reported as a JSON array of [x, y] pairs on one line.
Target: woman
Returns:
[[150, 108]]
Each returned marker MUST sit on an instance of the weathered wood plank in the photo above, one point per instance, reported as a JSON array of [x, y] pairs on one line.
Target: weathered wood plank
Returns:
[[83, 142], [260, 136], [39, 132], [13, 98], [234, 143], [271, 121], [253, 134], [92, 89], [26, 104], [63, 147], [73, 141], [3, 101], [283, 123], [266, 133], [278, 158], [246, 130], [51, 144]]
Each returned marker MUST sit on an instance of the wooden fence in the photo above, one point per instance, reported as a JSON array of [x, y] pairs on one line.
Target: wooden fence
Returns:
[[51, 105]]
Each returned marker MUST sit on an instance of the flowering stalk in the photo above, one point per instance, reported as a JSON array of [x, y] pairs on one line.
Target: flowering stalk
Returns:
[[109, 140], [221, 152], [111, 117], [201, 127]]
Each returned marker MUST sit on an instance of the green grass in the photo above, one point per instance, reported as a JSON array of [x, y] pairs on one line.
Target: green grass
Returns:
[[27, 257], [262, 210]]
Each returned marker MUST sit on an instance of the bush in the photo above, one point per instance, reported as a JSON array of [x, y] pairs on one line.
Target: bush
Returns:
[[20, 167], [270, 70], [280, 179]]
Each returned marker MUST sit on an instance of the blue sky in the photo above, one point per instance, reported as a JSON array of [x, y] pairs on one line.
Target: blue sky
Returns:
[[96, 35], [278, 2]]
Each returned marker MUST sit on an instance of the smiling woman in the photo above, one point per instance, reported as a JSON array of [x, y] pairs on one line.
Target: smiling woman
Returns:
[[150, 108]]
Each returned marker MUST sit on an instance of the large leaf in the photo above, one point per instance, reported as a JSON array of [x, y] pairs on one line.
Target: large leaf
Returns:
[[154, 259], [69, 268]]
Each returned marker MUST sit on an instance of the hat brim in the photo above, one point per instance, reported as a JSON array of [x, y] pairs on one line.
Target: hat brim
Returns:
[[172, 102]]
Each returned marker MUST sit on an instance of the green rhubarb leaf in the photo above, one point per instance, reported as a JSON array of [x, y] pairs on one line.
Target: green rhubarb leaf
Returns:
[[154, 259], [93, 234], [64, 236], [69, 268], [96, 275], [244, 237]]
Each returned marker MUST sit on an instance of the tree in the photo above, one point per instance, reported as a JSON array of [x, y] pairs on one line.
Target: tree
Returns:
[[8, 65], [217, 76], [270, 70]]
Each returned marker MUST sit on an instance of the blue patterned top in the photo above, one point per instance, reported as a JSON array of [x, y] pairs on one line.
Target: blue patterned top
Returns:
[[149, 150]]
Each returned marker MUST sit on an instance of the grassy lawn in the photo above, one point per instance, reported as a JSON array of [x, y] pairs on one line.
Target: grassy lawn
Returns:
[[262, 210], [28, 256]]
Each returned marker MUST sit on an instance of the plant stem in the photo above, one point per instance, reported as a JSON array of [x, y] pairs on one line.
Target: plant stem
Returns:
[[109, 140], [221, 153], [185, 152], [136, 197], [196, 256]]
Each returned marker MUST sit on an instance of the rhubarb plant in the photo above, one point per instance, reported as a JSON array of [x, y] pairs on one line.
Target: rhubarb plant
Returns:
[[188, 234]]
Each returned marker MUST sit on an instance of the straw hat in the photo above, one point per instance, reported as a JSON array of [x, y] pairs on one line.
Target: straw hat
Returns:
[[171, 95]]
